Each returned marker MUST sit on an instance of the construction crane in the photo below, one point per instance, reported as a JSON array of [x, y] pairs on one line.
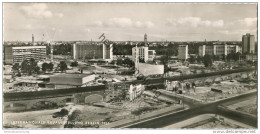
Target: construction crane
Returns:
[[50, 42]]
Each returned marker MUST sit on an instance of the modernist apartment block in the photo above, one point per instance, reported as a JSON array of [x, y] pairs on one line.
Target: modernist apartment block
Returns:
[[17, 54], [248, 43], [141, 53], [183, 52], [219, 50], [92, 51]]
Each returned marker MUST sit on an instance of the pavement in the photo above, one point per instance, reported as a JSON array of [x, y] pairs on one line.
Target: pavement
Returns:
[[145, 117], [203, 117], [199, 109]]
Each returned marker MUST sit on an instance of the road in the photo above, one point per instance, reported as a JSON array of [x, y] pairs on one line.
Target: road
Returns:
[[198, 109]]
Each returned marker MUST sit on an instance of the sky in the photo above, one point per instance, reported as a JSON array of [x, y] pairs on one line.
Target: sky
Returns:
[[128, 21]]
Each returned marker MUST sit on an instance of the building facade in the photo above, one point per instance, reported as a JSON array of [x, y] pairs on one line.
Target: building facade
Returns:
[[151, 55], [140, 53], [219, 49], [183, 52], [17, 54], [248, 43], [92, 51], [135, 91], [70, 80]]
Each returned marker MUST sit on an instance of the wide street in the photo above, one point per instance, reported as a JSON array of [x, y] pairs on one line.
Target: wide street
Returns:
[[198, 109]]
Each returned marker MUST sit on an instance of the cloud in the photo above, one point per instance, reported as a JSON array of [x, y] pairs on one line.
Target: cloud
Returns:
[[194, 22], [218, 23], [249, 21], [60, 15], [28, 26], [87, 30], [237, 31], [39, 11], [98, 23], [121, 22], [124, 22]]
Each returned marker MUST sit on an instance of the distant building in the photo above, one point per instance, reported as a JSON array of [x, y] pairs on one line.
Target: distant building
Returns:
[[92, 51], [32, 39], [248, 43], [151, 54], [183, 52], [251, 57], [17, 54], [70, 80], [143, 52], [202, 50], [209, 50], [145, 40], [140, 52], [218, 49]]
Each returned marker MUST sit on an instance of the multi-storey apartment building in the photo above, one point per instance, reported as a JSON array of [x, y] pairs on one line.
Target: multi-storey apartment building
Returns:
[[92, 51], [17, 54], [140, 53], [248, 43], [219, 49], [183, 52]]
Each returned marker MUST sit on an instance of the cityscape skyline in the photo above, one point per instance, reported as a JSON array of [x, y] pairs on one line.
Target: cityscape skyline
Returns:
[[181, 22]]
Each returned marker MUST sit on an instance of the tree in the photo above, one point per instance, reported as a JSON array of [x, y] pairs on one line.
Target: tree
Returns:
[[16, 67], [129, 62], [29, 67], [229, 57], [63, 66], [164, 59], [37, 70], [45, 66], [119, 61], [236, 56], [223, 57], [199, 59], [24, 66], [192, 59], [32, 66], [51, 66], [74, 64], [19, 74], [207, 60], [215, 57]]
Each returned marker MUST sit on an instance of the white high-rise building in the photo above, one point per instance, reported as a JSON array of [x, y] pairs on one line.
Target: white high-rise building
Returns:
[[92, 51], [219, 50], [141, 53]]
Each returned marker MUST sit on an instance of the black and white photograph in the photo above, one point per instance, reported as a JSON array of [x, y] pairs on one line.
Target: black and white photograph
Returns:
[[130, 65]]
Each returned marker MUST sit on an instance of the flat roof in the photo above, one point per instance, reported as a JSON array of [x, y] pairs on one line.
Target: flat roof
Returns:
[[70, 76], [27, 47]]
